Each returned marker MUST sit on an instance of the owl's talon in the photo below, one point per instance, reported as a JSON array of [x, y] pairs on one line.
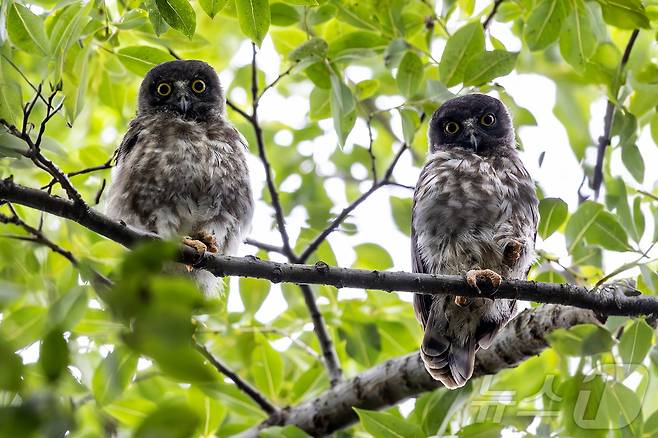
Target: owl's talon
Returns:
[[491, 282], [209, 240], [461, 301], [195, 244]]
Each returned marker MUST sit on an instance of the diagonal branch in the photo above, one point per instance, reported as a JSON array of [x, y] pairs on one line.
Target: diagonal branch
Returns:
[[487, 21], [243, 385], [604, 140], [400, 378], [611, 299], [376, 185]]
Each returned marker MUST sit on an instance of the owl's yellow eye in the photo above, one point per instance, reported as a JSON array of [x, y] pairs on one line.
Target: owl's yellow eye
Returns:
[[164, 89], [198, 86], [488, 120], [451, 128]]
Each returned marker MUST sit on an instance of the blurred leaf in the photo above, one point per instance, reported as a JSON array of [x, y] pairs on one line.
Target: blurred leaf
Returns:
[[23, 326], [632, 159], [178, 14], [141, 59], [401, 209], [113, 375], [635, 342], [254, 18], [356, 45], [267, 367], [54, 354], [544, 24], [467, 42], [487, 66], [68, 26], [312, 50], [581, 340], [596, 227], [385, 425], [283, 14], [253, 292], [550, 277], [410, 122], [342, 108], [625, 14], [366, 88], [26, 30], [320, 101], [552, 214], [481, 430], [11, 368], [212, 7], [174, 419], [410, 74], [434, 410], [654, 127], [157, 22], [372, 256]]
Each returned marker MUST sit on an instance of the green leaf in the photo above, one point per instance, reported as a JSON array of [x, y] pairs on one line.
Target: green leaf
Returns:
[[267, 367], [581, 340], [212, 7], [253, 292], [174, 419], [26, 30], [312, 50], [356, 45], [579, 39], [623, 408], [654, 127], [401, 209], [254, 18], [178, 14], [632, 159], [283, 14], [590, 223], [635, 342], [320, 102], [410, 122], [23, 326], [487, 66], [625, 14], [410, 74], [638, 218], [366, 88], [68, 26], [53, 354], [372, 256], [10, 102], [550, 277], [343, 108], [157, 22], [544, 23], [11, 368], [481, 430], [552, 214], [141, 59], [113, 375], [467, 42], [385, 425]]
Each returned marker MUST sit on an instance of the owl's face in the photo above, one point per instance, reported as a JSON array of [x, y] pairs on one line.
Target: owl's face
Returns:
[[474, 122], [188, 89]]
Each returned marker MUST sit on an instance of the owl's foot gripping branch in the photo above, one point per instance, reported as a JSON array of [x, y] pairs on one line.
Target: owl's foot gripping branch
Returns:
[[399, 378]]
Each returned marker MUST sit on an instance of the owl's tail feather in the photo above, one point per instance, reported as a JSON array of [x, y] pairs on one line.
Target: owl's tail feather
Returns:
[[448, 362]]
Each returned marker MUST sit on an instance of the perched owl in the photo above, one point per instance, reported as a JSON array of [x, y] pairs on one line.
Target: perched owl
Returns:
[[474, 213], [181, 167]]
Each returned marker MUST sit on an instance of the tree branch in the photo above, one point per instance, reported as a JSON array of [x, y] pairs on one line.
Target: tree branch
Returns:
[[611, 299], [400, 378], [487, 21], [243, 385], [604, 140], [329, 355], [376, 185]]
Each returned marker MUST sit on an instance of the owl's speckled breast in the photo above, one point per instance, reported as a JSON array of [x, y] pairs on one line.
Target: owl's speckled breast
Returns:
[[466, 206]]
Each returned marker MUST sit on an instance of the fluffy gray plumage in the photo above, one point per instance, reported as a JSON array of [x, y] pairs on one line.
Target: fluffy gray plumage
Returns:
[[474, 208], [181, 167]]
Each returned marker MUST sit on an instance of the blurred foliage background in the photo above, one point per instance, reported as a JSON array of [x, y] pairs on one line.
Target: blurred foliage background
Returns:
[[349, 85]]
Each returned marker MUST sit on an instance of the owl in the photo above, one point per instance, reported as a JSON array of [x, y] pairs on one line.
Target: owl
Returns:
[[474, 213], [181, 167]]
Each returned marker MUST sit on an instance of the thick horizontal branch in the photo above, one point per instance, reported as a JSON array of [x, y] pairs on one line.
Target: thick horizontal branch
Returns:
[[608, 300], [398, 379]]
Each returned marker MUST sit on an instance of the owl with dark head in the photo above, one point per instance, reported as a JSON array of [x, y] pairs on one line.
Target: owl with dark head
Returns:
[[474, 213], [181, 167]]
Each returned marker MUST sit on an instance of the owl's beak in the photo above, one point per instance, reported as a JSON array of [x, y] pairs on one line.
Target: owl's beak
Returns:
[[184, 104], [470, 132]]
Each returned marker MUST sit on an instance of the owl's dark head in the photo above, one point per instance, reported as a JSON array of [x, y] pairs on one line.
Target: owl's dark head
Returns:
[[189, 89], [474, 122]]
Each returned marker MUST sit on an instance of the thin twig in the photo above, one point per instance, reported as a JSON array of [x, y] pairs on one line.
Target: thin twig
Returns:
[[244, 386], [604, 140], [313, 246], [373, 159], [487, 21], [264, 246]]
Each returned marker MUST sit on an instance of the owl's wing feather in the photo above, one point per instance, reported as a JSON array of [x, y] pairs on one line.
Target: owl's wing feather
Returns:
[[129, 140], [422, 302]]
